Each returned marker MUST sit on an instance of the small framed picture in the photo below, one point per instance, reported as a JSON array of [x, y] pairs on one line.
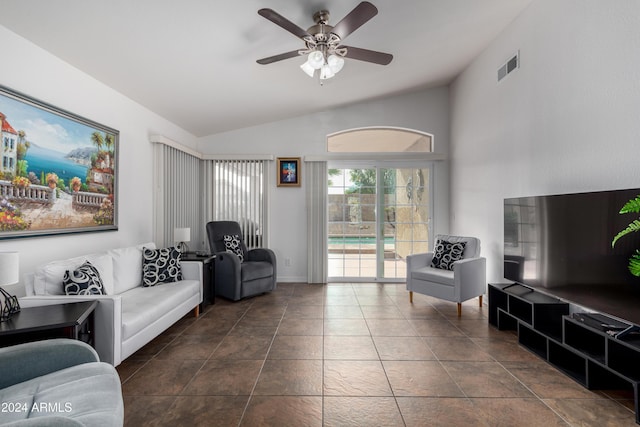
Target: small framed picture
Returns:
[[288, 172]]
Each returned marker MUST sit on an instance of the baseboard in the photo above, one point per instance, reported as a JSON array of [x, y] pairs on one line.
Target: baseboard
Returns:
[[292, 279]]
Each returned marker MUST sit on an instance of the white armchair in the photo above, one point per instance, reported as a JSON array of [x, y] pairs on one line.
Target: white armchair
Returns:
[[466, 279]]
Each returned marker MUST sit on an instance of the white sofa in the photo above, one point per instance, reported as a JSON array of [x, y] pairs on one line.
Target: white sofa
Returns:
[[129, 315]]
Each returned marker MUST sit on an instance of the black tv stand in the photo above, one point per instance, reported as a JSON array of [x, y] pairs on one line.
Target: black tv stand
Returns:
[[594, 349], [630, 330]]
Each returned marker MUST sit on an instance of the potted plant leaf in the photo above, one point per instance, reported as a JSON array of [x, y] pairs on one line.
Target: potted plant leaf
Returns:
[[632, 206]]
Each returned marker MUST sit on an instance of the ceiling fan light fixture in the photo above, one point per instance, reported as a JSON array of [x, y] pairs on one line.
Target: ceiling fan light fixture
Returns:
[[335, 63], [308, 69], [326, 72], [316, 59]]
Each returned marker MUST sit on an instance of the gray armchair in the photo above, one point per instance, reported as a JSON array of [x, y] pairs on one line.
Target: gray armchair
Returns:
[[58, 382], [466, 280], [235, 278]]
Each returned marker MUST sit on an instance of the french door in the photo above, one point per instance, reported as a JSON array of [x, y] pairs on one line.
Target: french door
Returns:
[[377, 215]]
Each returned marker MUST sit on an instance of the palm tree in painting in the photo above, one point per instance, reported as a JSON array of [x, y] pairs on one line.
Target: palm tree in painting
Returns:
[[97, 139], [109, 141]]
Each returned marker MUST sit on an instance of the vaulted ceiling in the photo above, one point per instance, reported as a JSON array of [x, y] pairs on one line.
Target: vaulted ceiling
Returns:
[[194, 61]]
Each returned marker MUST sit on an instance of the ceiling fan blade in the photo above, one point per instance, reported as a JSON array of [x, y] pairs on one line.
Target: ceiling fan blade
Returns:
[[355, 19], [283, 22], [276, 58], [368, 55]]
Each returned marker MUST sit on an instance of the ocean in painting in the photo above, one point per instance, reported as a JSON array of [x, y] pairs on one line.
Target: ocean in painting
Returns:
[[44, 160]]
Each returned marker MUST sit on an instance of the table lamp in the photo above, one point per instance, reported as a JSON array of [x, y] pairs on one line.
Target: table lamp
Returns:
[[181, 236], [9, 275]]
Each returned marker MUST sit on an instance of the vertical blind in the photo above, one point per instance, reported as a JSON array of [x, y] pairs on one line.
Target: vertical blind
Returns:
[[316, 177], [178, 197], [236, 190]]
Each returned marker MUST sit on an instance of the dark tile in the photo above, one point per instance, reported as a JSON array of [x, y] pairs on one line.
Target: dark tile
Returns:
[[225, 378], [146, 410], [203, 410], [381, 312], [390, 328], [456, 348], [435, 328], [505, 350], [296, 311], [210, 326], [284, 411], [238, 347], [602, 412], [549, 383], [190, 347], [130, 366], [293, 326], [262, 311], [338, 300], [343, 312], [349, 348], [155, 345], [290, 377], [485, 379], [252, 326], [518, 412], [345, 327], [162, 377], [361, 411], [403, 348], [355, 378], [420, 378], [296, 347], [440, 412], [374, 300]]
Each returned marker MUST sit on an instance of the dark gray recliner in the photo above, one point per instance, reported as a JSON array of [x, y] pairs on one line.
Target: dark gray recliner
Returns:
[[234, 279]]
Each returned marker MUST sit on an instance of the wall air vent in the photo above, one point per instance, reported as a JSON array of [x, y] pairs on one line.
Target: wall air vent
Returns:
[[511, 65]]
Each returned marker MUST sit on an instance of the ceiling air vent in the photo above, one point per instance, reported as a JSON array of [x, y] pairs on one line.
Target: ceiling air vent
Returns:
[[511, 65]]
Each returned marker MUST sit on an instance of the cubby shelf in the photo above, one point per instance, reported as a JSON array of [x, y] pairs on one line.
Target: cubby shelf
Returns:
[[587, 347]]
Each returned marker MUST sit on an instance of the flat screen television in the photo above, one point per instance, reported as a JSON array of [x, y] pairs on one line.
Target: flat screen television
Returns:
[[562, 245]]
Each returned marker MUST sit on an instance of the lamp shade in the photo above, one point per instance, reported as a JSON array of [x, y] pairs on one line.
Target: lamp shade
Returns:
[[182, 235], [9, 268], [308, 69], [336, 63], [316, 59]]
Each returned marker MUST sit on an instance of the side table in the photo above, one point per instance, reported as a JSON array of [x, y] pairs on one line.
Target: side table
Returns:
[[70, 320], [208, 281]]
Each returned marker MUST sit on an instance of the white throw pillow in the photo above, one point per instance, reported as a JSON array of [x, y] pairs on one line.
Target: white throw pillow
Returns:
[[49, 277], [127, 267], [104, 264]]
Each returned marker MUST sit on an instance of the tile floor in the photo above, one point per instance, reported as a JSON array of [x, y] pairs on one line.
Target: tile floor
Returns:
[[352, 355]]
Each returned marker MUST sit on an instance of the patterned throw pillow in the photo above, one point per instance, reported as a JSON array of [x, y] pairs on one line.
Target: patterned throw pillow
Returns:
[[84, 280], [232, 245], [160, 266], [446, 253]]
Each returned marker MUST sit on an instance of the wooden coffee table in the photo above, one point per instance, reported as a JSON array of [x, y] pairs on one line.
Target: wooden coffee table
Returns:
[[70, 320]]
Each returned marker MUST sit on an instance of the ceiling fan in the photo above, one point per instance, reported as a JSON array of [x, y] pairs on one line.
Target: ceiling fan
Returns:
[[323, 42]]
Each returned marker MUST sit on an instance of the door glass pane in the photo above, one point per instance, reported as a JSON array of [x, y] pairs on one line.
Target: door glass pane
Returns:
[[406, 218], [352, 223], [374, 226]]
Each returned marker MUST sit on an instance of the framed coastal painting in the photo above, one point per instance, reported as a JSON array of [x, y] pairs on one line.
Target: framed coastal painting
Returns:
[[288, 171], [58, 171]]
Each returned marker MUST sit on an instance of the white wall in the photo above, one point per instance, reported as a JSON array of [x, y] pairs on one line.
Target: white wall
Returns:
[[306, 135], [566, 121], [34, 72]]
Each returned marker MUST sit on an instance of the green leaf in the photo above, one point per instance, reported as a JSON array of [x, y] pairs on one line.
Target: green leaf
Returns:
[[631, 206], [634, 264], [634, 226]]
